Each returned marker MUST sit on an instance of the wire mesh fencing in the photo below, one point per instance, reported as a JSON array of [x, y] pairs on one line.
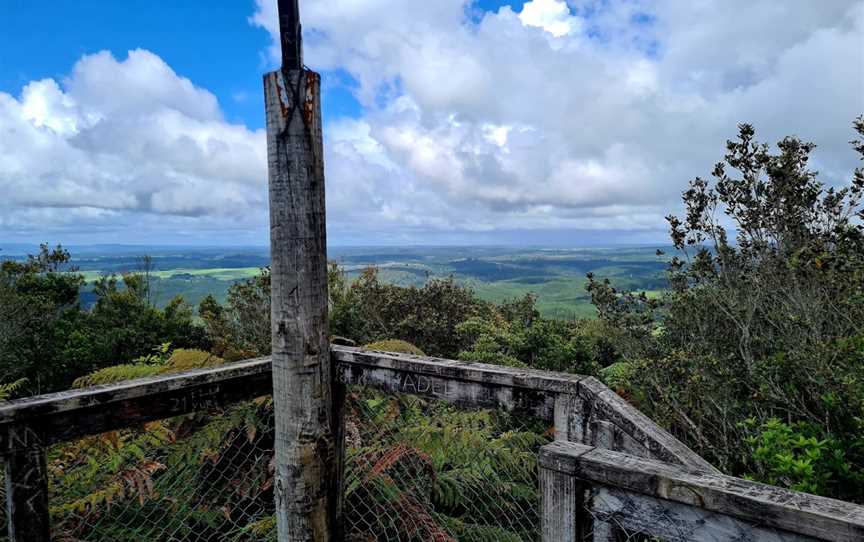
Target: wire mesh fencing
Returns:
[[416, 470], [202, 477], [422, 470]]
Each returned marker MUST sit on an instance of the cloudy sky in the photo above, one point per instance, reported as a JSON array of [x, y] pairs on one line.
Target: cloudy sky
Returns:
[[447, 121]]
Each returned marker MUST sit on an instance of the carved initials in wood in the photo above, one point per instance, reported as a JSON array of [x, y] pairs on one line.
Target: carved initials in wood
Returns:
[[423, 384]]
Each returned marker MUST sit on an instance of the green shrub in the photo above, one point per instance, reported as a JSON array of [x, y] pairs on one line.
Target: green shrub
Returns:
[[798, 456], [395, 345]]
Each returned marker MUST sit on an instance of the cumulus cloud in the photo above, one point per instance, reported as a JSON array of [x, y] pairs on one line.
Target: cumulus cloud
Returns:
[[578, 114], [553, 115], [121, 143]]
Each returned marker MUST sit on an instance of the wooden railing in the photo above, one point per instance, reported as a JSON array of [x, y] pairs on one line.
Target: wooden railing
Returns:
[[613, 495], [587, 417]]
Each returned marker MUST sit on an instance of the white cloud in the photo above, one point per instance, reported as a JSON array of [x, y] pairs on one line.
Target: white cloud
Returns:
[[123, 141], [585, 115], [553, 16]]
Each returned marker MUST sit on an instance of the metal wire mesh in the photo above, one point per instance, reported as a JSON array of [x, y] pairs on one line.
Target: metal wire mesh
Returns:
[[423, 470], [202, 477], [416, 470]]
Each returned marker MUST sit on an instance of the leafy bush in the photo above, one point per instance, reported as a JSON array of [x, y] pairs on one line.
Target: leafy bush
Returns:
[[47, 337], [395, 345], [795, 456], [765, 327]]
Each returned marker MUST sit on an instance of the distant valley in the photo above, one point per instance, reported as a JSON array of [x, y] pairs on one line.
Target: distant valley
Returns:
[[555, 275]]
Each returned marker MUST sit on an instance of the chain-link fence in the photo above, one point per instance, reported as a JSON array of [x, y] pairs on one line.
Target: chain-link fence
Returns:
[[201, 477], [416, 470], [423, 470]]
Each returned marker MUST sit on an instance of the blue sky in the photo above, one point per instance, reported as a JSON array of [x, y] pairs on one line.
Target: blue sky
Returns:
[[211, 43], [570, 121]]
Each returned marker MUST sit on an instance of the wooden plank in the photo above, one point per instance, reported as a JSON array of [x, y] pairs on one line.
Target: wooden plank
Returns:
[[751, 502], [58, 417], [27, 496], [569, 419], [602, 404], [630, 513], [305, 449], [561, 500], [448, 369], [466, 394]]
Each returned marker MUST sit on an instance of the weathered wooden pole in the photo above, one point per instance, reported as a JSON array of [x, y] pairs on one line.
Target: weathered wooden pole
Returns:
[[307, 450], [26, 474]]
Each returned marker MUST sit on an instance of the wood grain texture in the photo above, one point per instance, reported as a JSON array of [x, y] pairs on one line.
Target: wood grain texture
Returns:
[[561, 498], [634, 431], [531, 379], [749, 503], [628, 512], [305, 447], [58, 417], [27, 496]]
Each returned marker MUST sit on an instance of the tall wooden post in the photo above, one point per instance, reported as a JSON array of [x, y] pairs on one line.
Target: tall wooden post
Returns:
[[307, 454]]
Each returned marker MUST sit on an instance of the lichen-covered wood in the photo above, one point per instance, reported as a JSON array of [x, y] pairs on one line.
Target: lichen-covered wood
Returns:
[[662, 499]]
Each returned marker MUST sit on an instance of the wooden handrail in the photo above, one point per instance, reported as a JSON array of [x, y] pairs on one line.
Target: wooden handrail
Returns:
[[675, 503], [47, 419]]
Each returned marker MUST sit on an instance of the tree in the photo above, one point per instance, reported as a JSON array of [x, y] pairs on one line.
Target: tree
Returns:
[[39, 305], [759, 344], [241, 328], [49, 339]]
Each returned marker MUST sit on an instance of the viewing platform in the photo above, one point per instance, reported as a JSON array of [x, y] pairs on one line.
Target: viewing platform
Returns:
[[596, 467]]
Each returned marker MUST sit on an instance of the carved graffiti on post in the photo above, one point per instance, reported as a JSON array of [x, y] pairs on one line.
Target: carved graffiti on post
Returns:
[[22, 438], [26, 474]]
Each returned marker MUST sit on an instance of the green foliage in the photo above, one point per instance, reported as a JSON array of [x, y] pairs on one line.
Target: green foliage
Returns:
[[241, 328], [159, 355], [795, 456], [395, 345], [9, 389], [47, 337], [116, 373], [368, 310], [162, 362], [467, 473], [184, 359], [515, 335], [617, 375], [38, 309], [766, 327]]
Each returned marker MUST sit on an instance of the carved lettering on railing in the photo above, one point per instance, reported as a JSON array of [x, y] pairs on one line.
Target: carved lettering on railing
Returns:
[[423, 384]]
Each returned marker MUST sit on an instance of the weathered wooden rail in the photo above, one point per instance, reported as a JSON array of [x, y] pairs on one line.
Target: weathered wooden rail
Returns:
[[587, 489], [651, 469]]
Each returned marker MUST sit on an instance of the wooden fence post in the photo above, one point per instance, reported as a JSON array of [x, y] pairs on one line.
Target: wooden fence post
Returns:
[[562, 516], [27, 495], [307, 453]]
